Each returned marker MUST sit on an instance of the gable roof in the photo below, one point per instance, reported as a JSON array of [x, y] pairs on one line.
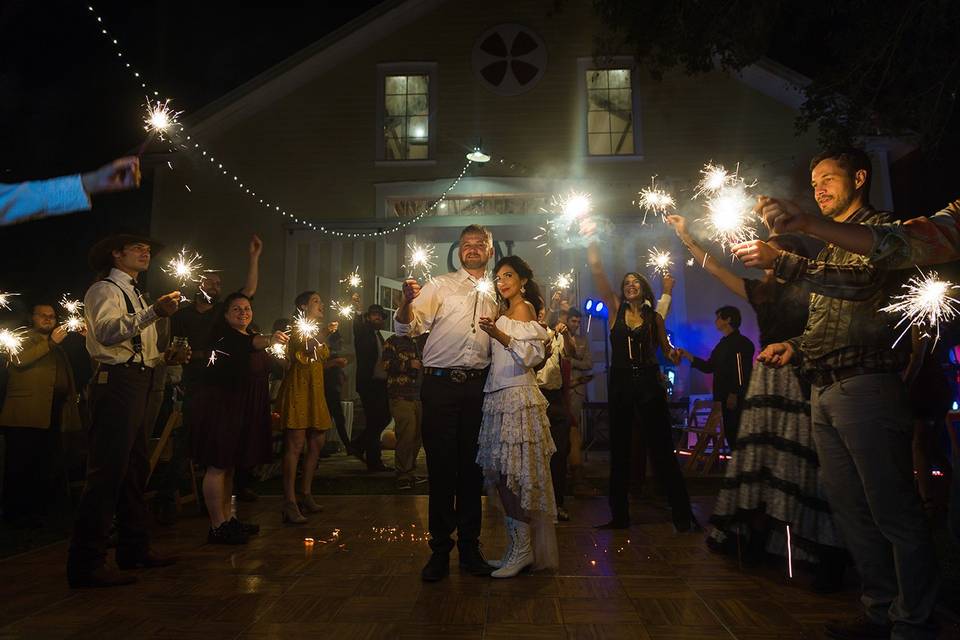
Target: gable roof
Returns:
[[766, 76]]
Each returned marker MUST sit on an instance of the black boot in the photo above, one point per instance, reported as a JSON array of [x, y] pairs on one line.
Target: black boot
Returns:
[[473, 562], [437, 567], [828, 577]]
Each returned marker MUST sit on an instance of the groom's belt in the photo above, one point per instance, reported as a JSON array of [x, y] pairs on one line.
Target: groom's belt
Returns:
[[456, 375]]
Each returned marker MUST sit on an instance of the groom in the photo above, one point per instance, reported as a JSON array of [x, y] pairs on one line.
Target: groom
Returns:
[[456, 358]]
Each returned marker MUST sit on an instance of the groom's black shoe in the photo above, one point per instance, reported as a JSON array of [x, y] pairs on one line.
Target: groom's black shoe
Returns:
[[473, 562], [437, 568]]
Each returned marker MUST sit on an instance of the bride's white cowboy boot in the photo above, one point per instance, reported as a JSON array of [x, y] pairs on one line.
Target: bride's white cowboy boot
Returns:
[[496, 564], [521, 553]]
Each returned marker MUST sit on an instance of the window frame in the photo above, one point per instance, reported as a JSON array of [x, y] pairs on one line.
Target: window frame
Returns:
[[428, 69], [585, 65]]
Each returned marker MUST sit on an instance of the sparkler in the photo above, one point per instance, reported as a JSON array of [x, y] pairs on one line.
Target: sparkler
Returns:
[[485, 288], [789, 553], [11, 342], [278, 351], [5, 299], [305, 327], [420, 256], [659, 260], [568, 215], [344, 310], [563, 281], [713, 177], [928, 301], [74, 323], [184, 268], [160, 119], [730, 214], [72, 307], [690, 262], [654, 200], [212, 360], [353, 279]]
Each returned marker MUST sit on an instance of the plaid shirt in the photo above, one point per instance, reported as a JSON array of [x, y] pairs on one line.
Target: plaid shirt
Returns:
[[846, 327], [403, 381], [920, 241]]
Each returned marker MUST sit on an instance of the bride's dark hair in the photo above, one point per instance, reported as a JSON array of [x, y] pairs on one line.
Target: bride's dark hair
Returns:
[[531, 291]]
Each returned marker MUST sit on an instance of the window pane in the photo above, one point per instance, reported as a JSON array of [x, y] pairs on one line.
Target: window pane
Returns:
[[417, 127], [395, 148], [622, 143], [598, 101], [598, 122], [417, 84], [596, 79], [620, 121], [416, 105], [619, 78], [395, 105], [418, 150], [620, 100], [395, 85], [599, 144]]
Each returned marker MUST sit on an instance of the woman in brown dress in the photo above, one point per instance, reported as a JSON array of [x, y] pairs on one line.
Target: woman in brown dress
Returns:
[[231, 422], [304, 416]]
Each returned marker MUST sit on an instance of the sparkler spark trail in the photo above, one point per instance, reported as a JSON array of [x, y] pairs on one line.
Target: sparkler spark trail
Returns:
[[420, 256], [74, 323], [72, 307], [563, 281], [11, 342], [212, 360], [353, 279], [928, 301], [659, 260], [654, 200], [160, 118], [305, 327], [277, 350], [184, 268], [568, 214], [713, 177], [5, 299], [343, 310], [730, 214], [485, 287]]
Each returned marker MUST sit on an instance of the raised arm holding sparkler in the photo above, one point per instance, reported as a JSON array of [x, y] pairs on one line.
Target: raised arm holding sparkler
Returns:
[[726, 277]]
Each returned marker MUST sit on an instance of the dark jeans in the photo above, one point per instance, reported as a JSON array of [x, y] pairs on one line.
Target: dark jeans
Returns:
[[117, 468], [28, 470], [451, 429], [863, 431], [376, 413], [638, 408], [731, 421], [560, 431], [334, 399]]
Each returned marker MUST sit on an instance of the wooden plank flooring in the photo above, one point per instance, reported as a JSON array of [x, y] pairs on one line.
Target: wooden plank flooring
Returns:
[[360, 579]]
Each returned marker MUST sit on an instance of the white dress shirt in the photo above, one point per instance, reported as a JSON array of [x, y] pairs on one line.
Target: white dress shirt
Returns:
[[449, 307], [512, 366], [41, 198], [111, 328], [550, 377]]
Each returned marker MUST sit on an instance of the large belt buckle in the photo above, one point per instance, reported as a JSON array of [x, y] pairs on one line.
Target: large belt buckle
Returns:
[[458, 375]]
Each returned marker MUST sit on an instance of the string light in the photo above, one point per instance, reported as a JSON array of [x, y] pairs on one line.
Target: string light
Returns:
[[188, 143]]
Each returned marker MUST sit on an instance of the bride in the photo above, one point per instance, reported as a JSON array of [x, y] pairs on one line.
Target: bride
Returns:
[[515, 444]]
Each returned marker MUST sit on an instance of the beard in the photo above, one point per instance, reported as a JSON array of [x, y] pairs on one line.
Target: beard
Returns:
[[837, 206], [474, 263]]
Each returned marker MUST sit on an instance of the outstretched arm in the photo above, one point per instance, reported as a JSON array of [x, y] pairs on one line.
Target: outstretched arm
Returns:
[[600, 281], [726, 277]]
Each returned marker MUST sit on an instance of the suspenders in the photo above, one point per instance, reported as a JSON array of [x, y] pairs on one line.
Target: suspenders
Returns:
[[136, 341]]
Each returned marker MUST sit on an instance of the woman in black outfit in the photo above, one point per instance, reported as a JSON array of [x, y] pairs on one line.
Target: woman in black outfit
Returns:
[[231, 420], [637, 396]]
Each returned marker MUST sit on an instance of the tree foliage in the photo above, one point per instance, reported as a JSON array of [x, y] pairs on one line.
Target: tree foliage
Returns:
[[880, 67]]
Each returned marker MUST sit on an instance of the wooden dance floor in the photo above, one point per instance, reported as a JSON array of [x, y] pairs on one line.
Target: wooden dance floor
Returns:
[[360, 580]]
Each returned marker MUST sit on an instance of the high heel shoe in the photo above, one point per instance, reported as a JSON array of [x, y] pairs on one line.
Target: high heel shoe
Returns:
[[290, 514], [307, 503]]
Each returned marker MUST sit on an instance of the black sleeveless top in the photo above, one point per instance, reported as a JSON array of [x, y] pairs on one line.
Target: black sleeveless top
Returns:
[[633, 347]]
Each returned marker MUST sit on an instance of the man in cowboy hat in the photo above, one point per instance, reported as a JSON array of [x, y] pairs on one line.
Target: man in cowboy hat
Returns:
[[122, 341]]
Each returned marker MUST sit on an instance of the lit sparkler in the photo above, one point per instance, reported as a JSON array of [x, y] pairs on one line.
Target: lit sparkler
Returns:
[[485, 287], [278, 350], [5, 299], [74, 323], [160, 118], [563, 281], [184, 267], [690, 262], [343, 310], [353, 279], [713, 177], [305, 327], [928, 301], [72, 307], [730, 214], [11, 342], [212, 360], [659, 260], [654, 200], [420, 256], [569, 214]]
